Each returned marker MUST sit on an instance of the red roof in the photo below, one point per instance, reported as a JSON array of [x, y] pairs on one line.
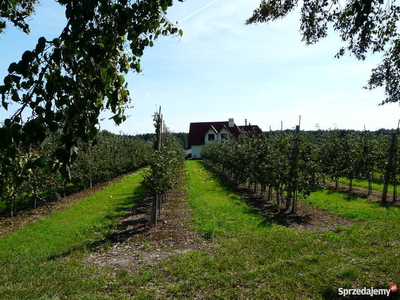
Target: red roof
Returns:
[[250, 129], [198, 130]]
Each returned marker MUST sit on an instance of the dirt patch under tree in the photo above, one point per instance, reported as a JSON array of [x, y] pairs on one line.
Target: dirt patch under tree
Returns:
[[135, 244]]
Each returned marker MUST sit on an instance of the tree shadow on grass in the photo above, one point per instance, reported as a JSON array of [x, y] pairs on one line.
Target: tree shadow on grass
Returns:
[[134, 221], [349, 195], [306, 218], [270, 211], [133, 214]]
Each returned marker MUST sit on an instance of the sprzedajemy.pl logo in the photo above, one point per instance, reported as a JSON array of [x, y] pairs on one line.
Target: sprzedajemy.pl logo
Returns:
[[368, 291]]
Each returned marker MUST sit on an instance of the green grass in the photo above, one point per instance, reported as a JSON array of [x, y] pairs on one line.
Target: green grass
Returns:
[[219, 211], [253, 258], [248, 257], [42, 260], [364, 184], [354, 207]]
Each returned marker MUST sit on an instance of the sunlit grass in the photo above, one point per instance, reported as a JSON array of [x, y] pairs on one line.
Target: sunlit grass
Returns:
[[364, 184], [248, 255], [42, 260], [353, 207], [253, 258]]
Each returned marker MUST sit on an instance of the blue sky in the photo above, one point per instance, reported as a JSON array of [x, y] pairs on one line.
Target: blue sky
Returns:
[[223, 69]]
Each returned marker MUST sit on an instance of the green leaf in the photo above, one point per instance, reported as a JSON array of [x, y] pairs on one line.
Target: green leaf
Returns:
[[27, 56], [13, 67], [15, 79], [41, 134], [15, 96], [53, 126], [180, 32], [39, 110], [40, 45], [11, 152], [19, 180], [56, 55], [56, 42], [65, 172], [94, 142], [41, 161], [4, 104], [61, 154]]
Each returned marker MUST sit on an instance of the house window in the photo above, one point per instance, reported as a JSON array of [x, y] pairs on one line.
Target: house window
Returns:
[[224, 136], [211, 137]]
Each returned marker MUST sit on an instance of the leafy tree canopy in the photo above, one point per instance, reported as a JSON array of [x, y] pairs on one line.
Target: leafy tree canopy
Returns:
[[64, 82], [365, 26], [16, 12]]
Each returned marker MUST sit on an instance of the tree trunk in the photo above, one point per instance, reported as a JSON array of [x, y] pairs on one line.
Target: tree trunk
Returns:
[[278, 201], [294, 203], [153, 214], [289, 199], [389, 168], [11, 208], [369, 186], [269, 193]]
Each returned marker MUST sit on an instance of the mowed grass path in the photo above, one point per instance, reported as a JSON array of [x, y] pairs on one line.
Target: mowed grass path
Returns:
[[364, 184], [42, 260], [253, 258]]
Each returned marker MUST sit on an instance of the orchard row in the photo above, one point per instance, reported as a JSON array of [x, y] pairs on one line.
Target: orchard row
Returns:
[[165, 166], [301, 162], [38, 181]]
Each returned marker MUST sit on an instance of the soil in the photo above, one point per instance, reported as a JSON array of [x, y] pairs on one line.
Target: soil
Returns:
[[136, 244]]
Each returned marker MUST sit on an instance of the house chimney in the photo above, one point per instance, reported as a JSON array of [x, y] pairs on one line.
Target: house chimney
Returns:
[[245, 122], [231, 122]]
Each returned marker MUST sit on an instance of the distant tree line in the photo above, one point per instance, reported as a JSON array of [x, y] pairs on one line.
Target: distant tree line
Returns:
[[182, 137]]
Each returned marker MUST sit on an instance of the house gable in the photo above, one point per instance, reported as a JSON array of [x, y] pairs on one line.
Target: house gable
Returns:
[[202, 133], [223, 134], [197, 131]]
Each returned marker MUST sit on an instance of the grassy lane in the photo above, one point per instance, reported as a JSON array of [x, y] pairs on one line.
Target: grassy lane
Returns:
[[42, 260], [364, 184], [253, 258]]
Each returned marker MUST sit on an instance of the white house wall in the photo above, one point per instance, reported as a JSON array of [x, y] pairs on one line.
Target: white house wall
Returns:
[[210, 131], [196, 149], [223, 131]]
